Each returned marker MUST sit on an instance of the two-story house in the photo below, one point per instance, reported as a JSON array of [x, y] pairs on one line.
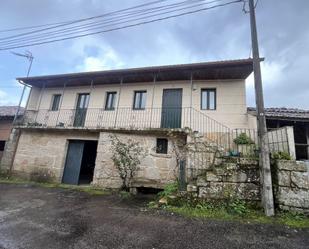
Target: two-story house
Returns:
[[65, 133]]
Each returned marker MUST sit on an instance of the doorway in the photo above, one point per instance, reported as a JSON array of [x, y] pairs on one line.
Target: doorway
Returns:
[[80, 162], [171, 108], [81, 109]]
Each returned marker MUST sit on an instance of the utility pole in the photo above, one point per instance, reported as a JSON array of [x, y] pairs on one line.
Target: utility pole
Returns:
[[27, 55], [265, 173]]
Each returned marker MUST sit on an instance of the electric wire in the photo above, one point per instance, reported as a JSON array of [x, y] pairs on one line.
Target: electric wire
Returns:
[[142, 22]]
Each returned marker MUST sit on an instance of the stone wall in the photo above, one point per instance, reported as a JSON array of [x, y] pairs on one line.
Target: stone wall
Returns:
[[156, 170], [229, 178], [41, 154], [292, 185], [9, 151]]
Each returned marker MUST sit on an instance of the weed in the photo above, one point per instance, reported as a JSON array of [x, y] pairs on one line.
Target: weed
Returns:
[[169, 189]]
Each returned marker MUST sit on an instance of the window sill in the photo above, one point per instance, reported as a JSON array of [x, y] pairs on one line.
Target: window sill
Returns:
[[161, 155], [139, 109]]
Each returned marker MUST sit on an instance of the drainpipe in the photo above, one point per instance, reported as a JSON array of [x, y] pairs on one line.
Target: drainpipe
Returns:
[[153, 93], [118, 100]]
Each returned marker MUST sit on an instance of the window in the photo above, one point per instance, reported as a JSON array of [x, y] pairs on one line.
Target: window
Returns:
[[55, 102], [139, 100], [208, 99], [2, 145], [162, 144], [110, 100]]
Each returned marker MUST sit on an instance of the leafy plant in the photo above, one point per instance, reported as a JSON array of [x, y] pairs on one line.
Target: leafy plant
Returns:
[[237, 206], [127, 157], [281, 155], [243, 138], [169, 189]]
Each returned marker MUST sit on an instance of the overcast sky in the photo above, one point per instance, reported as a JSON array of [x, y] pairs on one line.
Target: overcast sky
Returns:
[[218, 34]]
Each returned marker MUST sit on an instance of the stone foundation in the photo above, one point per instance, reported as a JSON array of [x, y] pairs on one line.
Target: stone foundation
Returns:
[[292, 185], [41, 156]]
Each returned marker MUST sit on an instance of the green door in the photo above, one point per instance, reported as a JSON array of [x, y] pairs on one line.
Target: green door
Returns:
[[81, 109], [73, 162], [171, 108]]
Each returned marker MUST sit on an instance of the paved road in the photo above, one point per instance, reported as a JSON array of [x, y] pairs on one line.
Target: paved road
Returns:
[[34, 217]]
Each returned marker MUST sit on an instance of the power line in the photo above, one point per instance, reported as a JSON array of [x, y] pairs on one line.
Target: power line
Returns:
[[119, 28], [60, 24], [96, 25]]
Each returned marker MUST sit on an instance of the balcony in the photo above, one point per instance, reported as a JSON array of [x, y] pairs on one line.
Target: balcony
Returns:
[[130, 119], [99, 118]]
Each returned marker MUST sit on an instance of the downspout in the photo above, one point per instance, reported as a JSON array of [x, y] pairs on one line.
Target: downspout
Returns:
[[153, 93], [118, 101]]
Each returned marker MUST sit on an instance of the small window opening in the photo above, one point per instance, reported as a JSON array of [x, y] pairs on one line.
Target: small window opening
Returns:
[[139, 100], [56, 102], [208, 99], [162, 146], [110, 100], [2, 145]]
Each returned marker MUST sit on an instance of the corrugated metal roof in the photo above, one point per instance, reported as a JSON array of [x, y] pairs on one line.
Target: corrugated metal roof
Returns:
[[284, 113], [229, 69]]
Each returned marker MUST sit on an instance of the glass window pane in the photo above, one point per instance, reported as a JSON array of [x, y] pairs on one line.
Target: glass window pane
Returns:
[[204, 99], [86, 100], [113, 101], [110, 100], [143, 100], [139, 100], [56, 102], [136, 100], [208, 99], [211, 100]]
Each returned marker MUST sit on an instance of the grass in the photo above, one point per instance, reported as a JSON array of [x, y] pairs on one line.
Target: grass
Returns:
[[251, 216], [87, 189]]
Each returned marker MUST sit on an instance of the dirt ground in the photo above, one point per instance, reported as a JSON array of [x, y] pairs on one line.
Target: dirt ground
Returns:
[[35, 217]]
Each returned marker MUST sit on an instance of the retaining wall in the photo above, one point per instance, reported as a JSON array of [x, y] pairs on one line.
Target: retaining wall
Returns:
[[291, 185]]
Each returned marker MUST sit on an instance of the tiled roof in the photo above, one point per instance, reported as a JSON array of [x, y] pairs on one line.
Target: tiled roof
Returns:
[[283, 112], [9, 111]]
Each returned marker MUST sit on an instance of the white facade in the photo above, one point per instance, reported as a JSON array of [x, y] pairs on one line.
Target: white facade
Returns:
[[231, 109]]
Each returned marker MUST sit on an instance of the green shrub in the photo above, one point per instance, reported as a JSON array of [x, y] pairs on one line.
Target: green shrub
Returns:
[[238, 207], [169, 189], [281, 155], [243, 138]]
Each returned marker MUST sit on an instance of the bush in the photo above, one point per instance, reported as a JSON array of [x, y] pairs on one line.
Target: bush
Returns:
[[127, 156], [238, 207], [281, 155], [169, 189], [243, 138]]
